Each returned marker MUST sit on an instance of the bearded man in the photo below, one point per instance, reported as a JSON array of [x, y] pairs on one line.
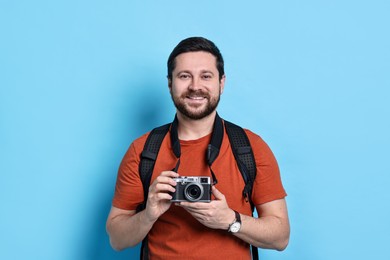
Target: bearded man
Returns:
[[222, 228]]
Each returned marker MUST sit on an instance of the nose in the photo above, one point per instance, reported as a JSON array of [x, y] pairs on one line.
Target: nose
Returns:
[[195, 83]]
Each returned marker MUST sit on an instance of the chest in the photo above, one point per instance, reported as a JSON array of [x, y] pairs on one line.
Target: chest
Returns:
[[193, 163]]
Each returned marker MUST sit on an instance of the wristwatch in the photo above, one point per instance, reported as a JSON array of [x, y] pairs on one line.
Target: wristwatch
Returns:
[[236, 225]]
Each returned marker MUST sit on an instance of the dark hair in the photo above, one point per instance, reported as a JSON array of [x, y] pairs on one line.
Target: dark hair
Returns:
[[193, 44]]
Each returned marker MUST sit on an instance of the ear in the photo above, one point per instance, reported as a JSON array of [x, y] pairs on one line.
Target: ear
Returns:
[[222, 84], [169, 84]]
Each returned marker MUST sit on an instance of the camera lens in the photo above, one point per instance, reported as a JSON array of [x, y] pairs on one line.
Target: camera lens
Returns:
[[193, 192]]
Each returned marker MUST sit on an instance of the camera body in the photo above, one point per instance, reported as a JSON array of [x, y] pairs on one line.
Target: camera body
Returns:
[[192, 189]]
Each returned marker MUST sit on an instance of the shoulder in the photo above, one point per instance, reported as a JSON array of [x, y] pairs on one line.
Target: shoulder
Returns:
[[138, 144], [260, 147], [135, 149], [254, 139]]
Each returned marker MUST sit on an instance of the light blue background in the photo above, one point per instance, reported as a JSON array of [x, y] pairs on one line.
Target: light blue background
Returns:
[[81, 79]]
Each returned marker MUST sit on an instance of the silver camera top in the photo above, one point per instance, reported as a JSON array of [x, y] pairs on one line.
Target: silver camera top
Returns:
[[187, 179]]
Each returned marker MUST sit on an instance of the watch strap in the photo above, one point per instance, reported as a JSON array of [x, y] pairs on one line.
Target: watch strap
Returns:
[[238, 217]]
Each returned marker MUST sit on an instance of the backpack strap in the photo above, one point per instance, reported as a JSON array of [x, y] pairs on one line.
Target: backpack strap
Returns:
[[146, 165], [243, 154], [148, 158], [245, 159]]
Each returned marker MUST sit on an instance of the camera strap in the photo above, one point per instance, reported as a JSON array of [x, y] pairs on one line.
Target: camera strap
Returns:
[[212, 149]]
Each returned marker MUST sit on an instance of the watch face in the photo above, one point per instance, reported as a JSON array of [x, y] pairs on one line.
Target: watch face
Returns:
[[235, 227]]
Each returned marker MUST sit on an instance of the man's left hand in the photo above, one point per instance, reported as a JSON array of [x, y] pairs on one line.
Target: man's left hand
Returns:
[[215, 214]]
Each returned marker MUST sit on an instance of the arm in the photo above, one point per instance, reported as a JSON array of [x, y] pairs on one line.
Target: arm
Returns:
[[127, 228], [271, 230]]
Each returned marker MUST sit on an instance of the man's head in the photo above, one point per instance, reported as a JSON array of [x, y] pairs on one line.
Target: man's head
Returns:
[[196, 77], [194, 44]]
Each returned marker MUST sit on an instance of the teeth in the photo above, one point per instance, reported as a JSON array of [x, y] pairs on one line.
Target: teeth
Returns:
[[196, 98]]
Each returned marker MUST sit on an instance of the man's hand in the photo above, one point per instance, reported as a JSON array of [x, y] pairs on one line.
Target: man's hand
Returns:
[[127, 227], [159, 198], [216, 214]]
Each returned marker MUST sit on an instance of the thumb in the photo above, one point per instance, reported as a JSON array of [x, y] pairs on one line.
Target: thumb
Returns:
[[217, 194]]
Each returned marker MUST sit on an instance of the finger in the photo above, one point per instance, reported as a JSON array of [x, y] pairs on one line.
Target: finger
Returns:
[[171, 174], [193, 211], [194, 205], [165, 180], [217, 194], [161, 187], [167, 177], [163, 196]]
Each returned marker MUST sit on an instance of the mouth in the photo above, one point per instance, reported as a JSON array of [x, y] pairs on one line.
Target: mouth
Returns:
[[196, 100], [196, 97]]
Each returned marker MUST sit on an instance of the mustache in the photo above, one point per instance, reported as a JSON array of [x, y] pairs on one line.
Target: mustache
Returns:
[[196, 93]]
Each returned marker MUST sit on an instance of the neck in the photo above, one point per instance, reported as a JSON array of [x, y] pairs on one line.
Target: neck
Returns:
[[189, 129]]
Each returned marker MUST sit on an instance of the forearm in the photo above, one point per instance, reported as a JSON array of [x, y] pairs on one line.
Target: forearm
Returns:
[[128, 230], [269, 232]]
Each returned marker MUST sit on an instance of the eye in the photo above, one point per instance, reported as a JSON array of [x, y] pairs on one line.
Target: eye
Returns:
[[207, 76], [184, 76]]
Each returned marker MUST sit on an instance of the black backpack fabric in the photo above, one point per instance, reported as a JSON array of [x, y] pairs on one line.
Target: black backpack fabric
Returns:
[[241, 149]]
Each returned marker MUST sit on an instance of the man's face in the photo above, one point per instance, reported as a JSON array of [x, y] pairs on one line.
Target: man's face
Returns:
[[195, 86]]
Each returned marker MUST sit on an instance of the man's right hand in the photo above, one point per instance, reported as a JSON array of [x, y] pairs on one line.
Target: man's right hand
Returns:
[[127, 227], [159, 197]]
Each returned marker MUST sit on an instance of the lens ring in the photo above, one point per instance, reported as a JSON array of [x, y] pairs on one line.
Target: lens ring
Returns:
[[193, 192]]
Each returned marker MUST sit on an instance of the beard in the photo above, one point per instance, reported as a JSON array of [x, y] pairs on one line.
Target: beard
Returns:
[[196, 113]]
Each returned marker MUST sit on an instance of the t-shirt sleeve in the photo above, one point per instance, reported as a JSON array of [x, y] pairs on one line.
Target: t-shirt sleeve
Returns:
[[128, 189], [268, 184]]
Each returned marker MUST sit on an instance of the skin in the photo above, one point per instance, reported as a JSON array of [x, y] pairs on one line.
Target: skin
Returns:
[[194, 87], [193, 101]]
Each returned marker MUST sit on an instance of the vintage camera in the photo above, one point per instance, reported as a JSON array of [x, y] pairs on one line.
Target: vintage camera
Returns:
[[192, 189]]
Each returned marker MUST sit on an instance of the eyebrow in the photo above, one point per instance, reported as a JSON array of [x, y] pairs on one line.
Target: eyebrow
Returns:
[[202, 71], [207, 71]]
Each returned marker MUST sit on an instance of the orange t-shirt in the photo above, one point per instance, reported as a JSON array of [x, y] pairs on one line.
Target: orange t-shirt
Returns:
[[176, 234]]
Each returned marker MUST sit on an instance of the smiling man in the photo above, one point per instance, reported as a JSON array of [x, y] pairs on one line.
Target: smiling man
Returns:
[[213, 220]]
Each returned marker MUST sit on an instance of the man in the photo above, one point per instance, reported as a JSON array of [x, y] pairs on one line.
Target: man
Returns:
[[198, 230]]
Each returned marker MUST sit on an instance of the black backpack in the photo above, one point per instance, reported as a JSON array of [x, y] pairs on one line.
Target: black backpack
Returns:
[[240, 145]]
